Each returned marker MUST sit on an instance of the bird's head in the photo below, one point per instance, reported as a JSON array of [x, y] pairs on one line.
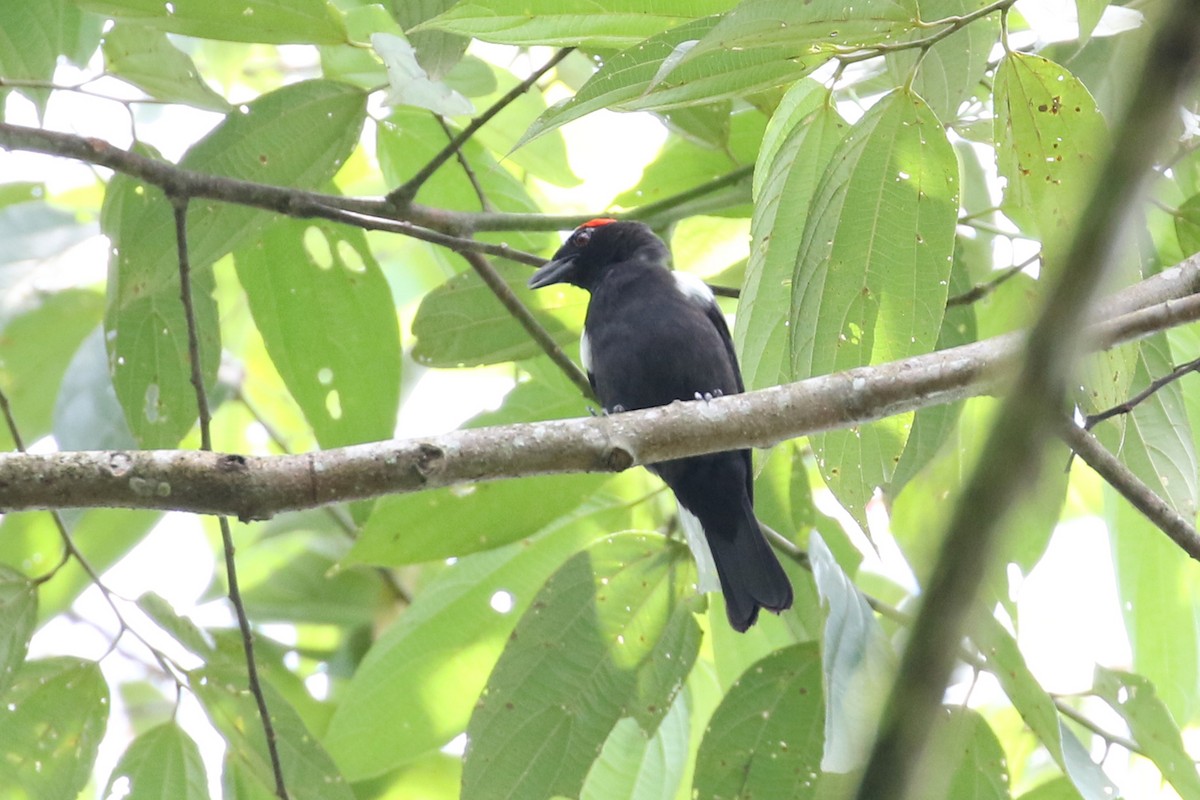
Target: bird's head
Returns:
[[596, 247]]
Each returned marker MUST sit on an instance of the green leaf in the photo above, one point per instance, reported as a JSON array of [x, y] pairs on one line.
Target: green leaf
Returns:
[[766, 737], [1037, 709], [966, 749], [606, 23], [634, 79], [308, 771], [182, 629], [857, 662], [545, 159], [1187, 225], [423, 676], [87, 415], [813, 26], [36, 346], [463, 324], [410, 85], [800, 140], [610, 635], [951, 70], [1057, 789], [55, 712], [145, 58], [437, 51], [1133, 697], [633, 766], [31, 542], [1089, 13], [1050, 140], [868, 286], [18, 615], [1160, 604], [296, 136], [325, 312], [268, 21], [32, 35], [162, 762]]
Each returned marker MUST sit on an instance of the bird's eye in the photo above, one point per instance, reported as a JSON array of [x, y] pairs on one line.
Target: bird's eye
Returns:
[[582, 237]]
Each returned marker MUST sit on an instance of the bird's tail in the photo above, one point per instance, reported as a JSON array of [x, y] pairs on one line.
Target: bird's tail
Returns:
[[750, 574]]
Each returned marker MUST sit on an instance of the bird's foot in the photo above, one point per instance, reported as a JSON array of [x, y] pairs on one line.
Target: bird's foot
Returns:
[[708, 396], [617, 409]]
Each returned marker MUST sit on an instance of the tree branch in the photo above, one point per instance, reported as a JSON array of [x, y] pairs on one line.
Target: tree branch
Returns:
[[1139, 495], [258, 487], [1028, 413]]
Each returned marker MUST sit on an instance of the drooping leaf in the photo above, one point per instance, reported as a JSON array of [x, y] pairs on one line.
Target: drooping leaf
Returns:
[[610, 635], [32, 35], [1037, 709], [55, 712], [324, 310], [1133, 697], [299, 136], [146, 58], [271, 21], [308, 771], [871, 287], [409, 83], [162, 762], [182, 629], [767, 736], [856, 660]]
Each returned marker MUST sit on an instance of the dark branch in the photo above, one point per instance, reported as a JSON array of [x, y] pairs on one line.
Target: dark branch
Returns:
[[1133, 402], [180, 205]]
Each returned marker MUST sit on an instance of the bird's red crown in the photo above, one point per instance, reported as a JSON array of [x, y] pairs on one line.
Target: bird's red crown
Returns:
[[596, 223]]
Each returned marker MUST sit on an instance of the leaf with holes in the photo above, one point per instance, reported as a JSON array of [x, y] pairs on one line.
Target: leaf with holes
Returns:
[[325, 312]]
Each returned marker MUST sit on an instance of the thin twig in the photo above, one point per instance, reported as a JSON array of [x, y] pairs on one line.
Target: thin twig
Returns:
[[1133, 402], [403, 195], [484, 203], [952, 25], [1139, 495], [504, 293], [1112, 738], [179, 205], [982, 290]]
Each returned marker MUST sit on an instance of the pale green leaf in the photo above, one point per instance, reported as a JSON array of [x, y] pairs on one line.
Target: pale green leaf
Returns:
[[602, 23], [87, 415], [872, 273], [18, 614], [1050, 139], [610, 635], [1037, 709], [966, 749], [32, 36], [410, 85], [951, 70], [1089, 13], [325, 312], [270, 21], [799, 142], [163, 762], [1133, 697], [185, 632], [766, 737], [423, 676], [55, 712], [634, 766], [146, 58]]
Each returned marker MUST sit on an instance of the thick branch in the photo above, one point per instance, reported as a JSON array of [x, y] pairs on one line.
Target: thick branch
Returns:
[[257, 487]]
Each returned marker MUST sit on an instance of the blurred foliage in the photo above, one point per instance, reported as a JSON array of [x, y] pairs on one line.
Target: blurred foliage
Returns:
[[542, 638]]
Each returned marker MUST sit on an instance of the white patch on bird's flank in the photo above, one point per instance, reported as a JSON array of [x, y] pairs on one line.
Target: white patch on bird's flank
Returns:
[[706, 568], [694, 288], [585, 352]]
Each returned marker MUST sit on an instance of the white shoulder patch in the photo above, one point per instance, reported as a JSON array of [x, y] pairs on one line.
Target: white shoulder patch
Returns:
[[693, 288], [585, 352]]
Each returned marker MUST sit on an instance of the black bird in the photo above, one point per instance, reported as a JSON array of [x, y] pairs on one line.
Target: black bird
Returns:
[[653, 336]]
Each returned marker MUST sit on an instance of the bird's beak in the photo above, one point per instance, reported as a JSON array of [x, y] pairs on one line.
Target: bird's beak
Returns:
[[556, 271]]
